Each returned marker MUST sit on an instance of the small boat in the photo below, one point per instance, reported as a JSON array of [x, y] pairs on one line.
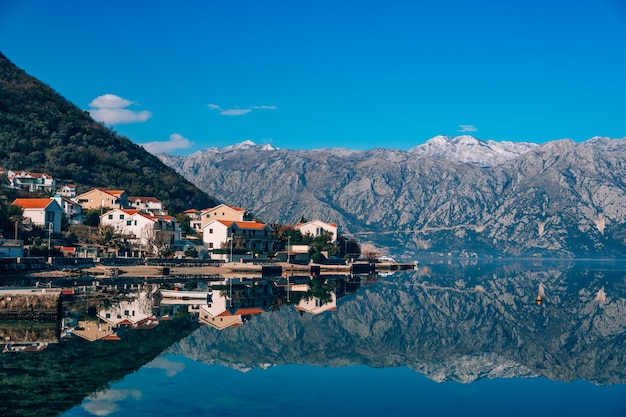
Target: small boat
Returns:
[[539, 300], [185, 295]]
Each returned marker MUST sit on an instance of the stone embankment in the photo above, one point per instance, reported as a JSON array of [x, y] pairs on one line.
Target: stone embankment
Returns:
[[30, 304]]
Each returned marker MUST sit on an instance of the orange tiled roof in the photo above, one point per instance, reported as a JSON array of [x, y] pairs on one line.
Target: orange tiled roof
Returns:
[[130, 212], [32, 203], [115, 193], [249, 311], [250, 225]]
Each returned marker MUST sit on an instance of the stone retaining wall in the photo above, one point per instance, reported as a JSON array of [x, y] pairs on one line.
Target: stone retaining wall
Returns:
[[39, 306]]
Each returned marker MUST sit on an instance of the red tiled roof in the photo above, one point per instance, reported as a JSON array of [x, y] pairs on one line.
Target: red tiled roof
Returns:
[[125, 211], [32, 203], [243, 225], [251, 310]]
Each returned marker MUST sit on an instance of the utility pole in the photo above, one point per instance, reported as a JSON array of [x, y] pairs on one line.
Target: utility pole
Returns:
[[50, 225]]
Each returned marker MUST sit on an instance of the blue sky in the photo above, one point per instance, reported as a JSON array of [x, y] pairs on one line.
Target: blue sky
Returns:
[[186, 76]]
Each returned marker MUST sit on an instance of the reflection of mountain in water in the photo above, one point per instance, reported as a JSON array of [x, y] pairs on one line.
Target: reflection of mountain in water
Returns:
[[459, 323]]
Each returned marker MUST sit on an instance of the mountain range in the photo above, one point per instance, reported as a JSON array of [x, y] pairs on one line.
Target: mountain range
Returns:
[[461, 196]]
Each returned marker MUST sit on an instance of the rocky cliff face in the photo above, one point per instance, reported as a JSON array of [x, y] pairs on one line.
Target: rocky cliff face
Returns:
[[449, 323], [558, 199]]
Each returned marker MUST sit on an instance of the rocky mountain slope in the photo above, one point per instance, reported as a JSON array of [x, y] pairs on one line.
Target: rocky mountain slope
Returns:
[[557, 199]]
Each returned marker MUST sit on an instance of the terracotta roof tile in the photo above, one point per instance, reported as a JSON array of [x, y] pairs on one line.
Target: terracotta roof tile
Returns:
[[32, 203]]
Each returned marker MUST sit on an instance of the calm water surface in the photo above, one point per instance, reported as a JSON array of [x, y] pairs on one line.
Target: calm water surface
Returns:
[[453, 338]]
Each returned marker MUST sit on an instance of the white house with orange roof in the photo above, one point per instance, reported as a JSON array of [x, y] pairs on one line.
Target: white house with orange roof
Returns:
[[225, 212], [43, 212], [31, 181], [147, 204], [252, 236], [145, 227], [221, 312], [317, 228], [195, 217], [134, 313], [99, 198]]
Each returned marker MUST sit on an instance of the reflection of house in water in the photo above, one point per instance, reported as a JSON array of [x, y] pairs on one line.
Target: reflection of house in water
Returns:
[[136, 313], [234, 304], [315, 305], [93, 330]]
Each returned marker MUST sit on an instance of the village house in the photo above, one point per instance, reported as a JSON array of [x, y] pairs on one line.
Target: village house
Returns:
[[73, 211], [144, 228], [42, 212], [136, 313], [99, 198], [195, 217], [227, 310], [30, 181], [147, 204], [225, 212], [67, 191], [251, 236], [317, 228]]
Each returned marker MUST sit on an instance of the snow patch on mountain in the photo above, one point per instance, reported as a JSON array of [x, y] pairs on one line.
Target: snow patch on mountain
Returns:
[[473, 151], [248, 144]]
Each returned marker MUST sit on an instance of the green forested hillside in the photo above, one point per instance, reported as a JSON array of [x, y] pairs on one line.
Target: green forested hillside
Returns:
[[41, 131]]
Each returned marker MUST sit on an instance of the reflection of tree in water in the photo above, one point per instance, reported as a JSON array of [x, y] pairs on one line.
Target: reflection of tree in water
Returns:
[[322, 288]]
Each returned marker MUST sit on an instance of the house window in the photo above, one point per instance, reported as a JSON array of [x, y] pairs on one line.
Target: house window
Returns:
[[121, 217], [129, 222], [210, 245], [107, 315], [210, 231], [135, 222], [110, 217], [126, 312]]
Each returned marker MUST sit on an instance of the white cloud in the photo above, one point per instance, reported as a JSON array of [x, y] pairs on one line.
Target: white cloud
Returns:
[[117, 116], [106, 402], [236, 111], [101, 408], [111, 109], [176, 141], [110, 101], [467, 128], [171, 368]]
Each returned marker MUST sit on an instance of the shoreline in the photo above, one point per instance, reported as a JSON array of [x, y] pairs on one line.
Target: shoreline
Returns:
[[226, 270]]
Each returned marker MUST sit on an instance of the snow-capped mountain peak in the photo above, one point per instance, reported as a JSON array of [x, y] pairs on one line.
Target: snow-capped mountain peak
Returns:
[[468, 149]]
